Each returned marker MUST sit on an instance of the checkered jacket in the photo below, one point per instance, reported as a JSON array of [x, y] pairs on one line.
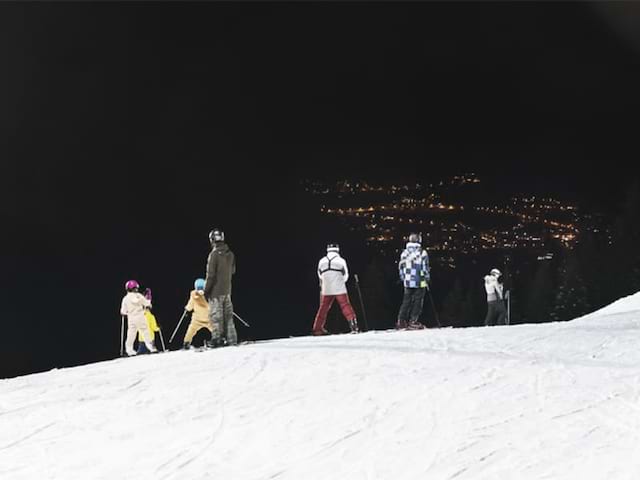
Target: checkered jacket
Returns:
[[414, 266]]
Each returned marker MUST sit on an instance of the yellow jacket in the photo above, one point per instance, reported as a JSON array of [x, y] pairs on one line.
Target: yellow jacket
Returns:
[[199, 306], [153, 325]]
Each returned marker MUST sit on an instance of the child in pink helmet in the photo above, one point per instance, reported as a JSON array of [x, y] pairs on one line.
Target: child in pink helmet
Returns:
[[133, 306]]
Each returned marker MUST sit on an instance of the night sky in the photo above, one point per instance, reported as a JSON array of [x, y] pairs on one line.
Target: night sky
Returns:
[[129, 130]]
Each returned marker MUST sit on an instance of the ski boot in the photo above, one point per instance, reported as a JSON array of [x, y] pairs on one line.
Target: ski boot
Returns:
[[186, 346], [353, 325], [318, 333], [214, 343], [415, 325]]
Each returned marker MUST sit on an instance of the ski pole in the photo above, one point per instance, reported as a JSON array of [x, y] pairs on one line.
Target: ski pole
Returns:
[[177, 327], [508, 296], [364, 315], [164, 349], [122, 336], [435, 314], [241, 320]]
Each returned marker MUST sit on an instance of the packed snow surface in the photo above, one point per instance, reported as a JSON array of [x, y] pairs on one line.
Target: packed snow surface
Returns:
[[546, 401]]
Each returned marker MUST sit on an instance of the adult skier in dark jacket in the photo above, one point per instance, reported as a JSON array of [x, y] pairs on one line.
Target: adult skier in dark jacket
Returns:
[[221, 265]]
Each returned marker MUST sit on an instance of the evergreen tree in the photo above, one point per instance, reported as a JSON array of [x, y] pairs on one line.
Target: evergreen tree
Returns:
[[510, 276], [376, 297], [469, 311], [623, 261], [540, 295], [591, 255], [452, 308], [571, 294]]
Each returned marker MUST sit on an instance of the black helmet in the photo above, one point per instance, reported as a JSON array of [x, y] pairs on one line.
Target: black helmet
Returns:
[[216, 235], [415, 238]]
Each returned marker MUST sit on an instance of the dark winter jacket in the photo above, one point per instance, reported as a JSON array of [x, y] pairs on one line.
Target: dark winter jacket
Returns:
[[221, 265]]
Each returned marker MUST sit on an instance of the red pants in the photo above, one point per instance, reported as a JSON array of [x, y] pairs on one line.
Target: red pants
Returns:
[[325, 304]]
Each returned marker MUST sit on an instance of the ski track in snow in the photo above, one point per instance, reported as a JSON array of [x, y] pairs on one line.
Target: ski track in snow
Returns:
[[544, 401]]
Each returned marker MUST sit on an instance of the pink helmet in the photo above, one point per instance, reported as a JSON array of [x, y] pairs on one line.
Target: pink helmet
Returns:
[[131, 285]]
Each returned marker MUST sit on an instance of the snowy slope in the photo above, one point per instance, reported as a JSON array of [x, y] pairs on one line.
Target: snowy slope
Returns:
[[552, 401]]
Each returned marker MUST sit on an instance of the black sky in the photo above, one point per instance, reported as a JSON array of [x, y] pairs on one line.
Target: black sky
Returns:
[[130, 129]]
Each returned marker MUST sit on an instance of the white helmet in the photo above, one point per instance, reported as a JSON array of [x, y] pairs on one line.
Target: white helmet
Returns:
[[495, 272], [333, 247], [415, 238]]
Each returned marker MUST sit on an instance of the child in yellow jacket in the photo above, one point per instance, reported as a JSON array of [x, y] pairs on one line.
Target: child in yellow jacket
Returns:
[[151, 323], [200, 316]]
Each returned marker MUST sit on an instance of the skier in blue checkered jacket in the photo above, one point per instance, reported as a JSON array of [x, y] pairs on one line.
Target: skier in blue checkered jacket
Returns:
[[414, 273]]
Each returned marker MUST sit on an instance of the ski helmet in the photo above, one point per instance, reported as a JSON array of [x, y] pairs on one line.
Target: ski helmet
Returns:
[[216, 235], [495, 272], [415, 238], [199, 284], [131, 285], [333, 247]]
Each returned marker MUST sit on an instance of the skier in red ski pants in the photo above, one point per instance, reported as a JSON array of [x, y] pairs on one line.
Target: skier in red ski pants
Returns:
[[333, 275]]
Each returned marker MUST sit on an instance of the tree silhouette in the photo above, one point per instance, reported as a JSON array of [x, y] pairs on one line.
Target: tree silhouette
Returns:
[[541, 294], [623, 261], [452, 309], [591, 254], [470, 310], [571, 294], [375, 287]]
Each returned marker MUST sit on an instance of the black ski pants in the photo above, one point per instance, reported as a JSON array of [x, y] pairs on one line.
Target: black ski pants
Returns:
[[411, 307], [496, 313]]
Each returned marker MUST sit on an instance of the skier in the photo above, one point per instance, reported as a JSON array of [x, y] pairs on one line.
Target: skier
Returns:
[[199, 307], [221, 266], [414, 274], [151, 322], [333, 275], [496, 312], [133, 305]]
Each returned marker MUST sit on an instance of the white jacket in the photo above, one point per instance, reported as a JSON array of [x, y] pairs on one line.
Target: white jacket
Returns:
[[333, 274], [493, 288], [133, 305]]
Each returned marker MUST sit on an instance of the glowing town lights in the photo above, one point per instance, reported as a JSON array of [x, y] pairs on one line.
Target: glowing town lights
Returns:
[[530, 220]]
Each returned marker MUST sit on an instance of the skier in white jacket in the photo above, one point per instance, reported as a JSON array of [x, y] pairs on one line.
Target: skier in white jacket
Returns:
[[333, 275], [133, 305], [496, 311]]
